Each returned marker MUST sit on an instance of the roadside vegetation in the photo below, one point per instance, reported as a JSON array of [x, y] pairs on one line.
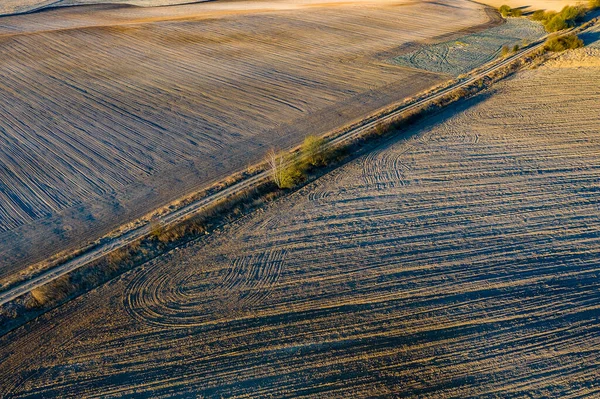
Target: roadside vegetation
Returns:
[[562, 43], [557, 21], [289, 169], [285, 169], [506, 50]]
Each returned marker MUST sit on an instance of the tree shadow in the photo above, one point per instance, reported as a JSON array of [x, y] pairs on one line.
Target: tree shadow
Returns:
[[436, 118], [589, 37]]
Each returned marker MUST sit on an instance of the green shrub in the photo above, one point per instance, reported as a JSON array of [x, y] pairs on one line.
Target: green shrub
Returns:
[[566, 18], [548, 15], [515, 48], [555, 24], [505, 51], [313, 151], [291, 175], [504, 10], [572, 13], [538, 15], [563, 43], [286, 171]]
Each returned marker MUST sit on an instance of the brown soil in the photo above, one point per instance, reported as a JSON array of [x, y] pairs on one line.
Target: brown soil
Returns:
[[462, 261], [108, 113]]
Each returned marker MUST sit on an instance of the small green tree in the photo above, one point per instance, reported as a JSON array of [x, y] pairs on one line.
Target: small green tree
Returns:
[[538, 15], [558, 44], [566, 18], [548, 15], [572, 13], [504, 10], [556, 23], [505, 50], [285, 169], [516, 12], [312, 151]]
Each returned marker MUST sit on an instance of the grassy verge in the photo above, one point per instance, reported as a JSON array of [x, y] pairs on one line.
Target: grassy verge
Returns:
[[288, 170]]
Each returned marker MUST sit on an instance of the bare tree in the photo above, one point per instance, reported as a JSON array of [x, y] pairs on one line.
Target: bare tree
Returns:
[[286, 170], [276, 167]]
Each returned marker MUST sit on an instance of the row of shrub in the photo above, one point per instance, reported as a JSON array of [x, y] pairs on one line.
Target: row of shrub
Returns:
[[555, 21]]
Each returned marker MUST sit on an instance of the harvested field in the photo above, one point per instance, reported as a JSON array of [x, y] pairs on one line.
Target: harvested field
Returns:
[[460, 262], [582, 57], [128, 116], [461, 55]]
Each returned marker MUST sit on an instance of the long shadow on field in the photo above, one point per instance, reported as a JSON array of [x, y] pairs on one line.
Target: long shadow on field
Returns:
[[590, 37], [436, 118]]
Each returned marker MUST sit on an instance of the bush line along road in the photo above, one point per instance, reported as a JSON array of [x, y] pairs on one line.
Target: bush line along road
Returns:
[[193, 208]]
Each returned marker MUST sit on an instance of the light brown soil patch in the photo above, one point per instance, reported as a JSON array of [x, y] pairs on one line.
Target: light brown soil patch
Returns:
[[580, 58]]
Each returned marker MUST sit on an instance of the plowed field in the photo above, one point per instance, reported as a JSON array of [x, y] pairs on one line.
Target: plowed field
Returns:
[[107, 113], [462, 261]]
